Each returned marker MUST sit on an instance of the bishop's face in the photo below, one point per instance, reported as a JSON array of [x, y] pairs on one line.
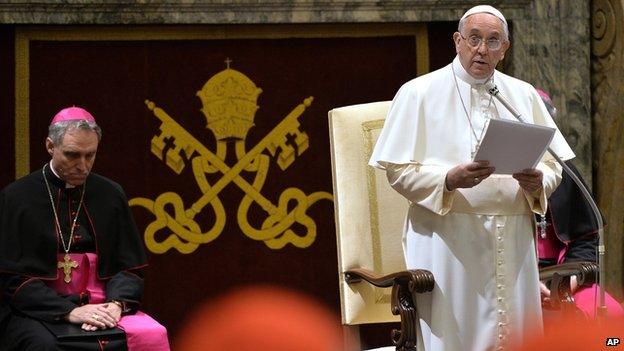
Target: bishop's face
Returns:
[[480, 61], [73, 158]]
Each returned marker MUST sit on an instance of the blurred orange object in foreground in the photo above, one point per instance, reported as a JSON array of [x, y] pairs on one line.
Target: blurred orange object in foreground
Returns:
[[575, 335], [261, 318]]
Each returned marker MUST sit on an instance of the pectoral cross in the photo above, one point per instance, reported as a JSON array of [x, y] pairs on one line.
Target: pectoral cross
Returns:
[[542, 224], [67, 264]]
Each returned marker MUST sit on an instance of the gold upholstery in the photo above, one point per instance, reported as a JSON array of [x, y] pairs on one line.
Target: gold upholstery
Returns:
[[369, 228], [369, 214]]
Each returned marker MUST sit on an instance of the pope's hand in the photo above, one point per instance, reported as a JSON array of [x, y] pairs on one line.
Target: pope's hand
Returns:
[[530, 179], [467, 175]]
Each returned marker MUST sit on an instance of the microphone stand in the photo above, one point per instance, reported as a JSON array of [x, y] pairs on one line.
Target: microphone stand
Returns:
[[602, 308]]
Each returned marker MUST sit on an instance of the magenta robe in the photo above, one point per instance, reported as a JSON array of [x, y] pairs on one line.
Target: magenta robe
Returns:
[[143, 333]]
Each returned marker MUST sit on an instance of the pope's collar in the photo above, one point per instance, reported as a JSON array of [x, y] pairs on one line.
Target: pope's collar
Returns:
[[464, 75]]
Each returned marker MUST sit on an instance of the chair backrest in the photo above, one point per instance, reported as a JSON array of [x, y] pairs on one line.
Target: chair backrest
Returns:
[[369, 213]]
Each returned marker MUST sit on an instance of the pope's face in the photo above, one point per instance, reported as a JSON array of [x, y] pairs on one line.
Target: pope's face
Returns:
[[73, 158], [480, 61]]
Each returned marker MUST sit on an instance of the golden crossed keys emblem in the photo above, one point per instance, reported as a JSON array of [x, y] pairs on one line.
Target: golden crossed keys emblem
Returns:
[[229, 104]]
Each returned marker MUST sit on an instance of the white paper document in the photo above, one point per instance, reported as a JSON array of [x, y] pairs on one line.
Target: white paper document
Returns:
[[512, 147]]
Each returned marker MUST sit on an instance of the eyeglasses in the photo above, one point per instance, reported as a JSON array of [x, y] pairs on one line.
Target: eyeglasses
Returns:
[[475, 42]]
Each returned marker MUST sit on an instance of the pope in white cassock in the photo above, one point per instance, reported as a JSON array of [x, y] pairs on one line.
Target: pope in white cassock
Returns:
[[471, 228]]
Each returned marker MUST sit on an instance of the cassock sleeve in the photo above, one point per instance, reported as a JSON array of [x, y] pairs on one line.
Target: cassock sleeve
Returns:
[[583, 249], [35, 299], [422, 185], [125, 287], [127, 253]]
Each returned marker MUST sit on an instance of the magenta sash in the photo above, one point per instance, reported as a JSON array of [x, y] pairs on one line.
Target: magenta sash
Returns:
[[143, 333], [586, 300], [550, 247]]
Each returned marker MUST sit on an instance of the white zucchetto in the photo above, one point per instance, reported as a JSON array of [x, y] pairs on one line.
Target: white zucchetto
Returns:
[[485, 9]]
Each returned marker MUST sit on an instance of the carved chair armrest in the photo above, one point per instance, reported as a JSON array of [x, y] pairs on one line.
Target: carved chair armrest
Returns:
[[418, 280], [404, 285], [559, 277]]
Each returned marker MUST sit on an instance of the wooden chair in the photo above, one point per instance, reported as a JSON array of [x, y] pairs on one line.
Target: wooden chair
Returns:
[[558, 277], [369, 222]]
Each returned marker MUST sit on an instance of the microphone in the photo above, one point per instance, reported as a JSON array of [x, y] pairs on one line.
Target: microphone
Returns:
[[602, 308], [493, 90]]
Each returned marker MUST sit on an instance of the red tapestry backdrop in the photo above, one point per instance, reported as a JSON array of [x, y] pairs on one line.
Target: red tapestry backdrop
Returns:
[[113, 80]]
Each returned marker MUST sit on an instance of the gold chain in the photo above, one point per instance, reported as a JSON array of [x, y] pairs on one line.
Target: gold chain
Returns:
[[58, 225]]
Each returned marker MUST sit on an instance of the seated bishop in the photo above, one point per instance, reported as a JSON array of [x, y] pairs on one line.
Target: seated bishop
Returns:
[[70, 253]]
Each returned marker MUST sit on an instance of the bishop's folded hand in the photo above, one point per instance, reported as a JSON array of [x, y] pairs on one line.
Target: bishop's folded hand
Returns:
[[93, 316]]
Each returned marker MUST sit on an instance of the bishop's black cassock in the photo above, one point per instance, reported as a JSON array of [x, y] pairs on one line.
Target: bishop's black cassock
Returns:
[[29, 245], [571, 220]]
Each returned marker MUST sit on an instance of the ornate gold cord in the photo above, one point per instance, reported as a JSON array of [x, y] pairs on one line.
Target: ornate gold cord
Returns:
[[67, 264]]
